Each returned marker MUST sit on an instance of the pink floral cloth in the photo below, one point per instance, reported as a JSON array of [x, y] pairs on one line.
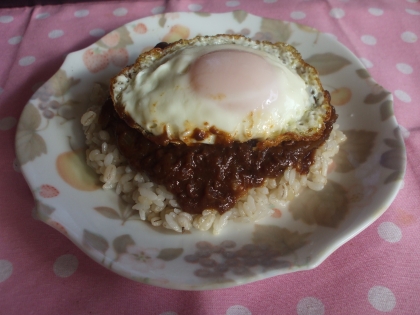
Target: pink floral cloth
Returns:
[[378, 271]]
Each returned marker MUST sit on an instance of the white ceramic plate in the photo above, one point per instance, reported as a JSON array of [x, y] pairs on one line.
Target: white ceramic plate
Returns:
[[367, 176]]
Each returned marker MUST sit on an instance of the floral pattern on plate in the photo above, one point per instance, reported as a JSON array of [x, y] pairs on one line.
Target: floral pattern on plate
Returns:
[[269, 244], [364, 179]]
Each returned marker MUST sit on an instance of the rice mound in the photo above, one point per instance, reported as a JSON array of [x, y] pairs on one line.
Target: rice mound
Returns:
[[159, 207]]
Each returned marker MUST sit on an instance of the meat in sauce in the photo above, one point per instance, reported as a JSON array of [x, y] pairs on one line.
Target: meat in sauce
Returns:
[[204, 176]]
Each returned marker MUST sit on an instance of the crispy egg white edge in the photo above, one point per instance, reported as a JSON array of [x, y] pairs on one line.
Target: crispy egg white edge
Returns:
[[309, 124]]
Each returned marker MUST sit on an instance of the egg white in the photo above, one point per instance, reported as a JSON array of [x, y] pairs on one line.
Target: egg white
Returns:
[[157, 95]]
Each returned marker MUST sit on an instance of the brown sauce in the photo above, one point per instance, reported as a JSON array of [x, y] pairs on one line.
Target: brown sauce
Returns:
[[203, 176]]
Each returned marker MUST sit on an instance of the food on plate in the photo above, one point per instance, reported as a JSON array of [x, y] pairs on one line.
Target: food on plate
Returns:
[[216, 128]]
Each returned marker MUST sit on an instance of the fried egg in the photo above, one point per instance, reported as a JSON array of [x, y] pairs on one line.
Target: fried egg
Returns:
[[222, 86]]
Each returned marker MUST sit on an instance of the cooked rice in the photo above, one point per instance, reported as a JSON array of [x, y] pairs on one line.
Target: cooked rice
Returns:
[[158, 206]]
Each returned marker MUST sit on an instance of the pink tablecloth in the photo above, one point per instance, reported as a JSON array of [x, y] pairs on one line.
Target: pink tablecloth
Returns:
[[41, 272]]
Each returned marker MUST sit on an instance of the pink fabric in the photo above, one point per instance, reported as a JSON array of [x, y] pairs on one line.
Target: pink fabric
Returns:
[[378, 271]]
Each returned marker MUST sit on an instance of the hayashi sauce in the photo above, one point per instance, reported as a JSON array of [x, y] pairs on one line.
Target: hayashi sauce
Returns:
[[209, 176]]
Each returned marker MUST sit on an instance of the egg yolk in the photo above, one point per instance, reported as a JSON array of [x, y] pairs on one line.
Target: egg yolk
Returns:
[[235, 80]]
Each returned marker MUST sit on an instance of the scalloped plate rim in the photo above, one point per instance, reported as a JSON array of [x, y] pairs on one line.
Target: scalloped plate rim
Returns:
[[312, 264]]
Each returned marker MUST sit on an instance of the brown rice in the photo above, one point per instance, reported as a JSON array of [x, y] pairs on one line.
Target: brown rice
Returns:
[[156, 205]]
